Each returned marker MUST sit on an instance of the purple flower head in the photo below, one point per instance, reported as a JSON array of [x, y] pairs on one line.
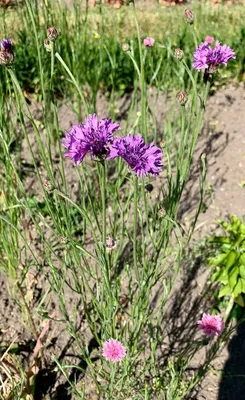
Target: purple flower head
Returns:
[[7, 45], [142, 158], [211, 325], [206, 57], [149, 41], [113, 350], [92, 137]]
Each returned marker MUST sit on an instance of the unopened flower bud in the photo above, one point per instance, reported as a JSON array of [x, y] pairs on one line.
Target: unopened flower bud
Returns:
[[52, 34], [149, 187], [179, 54], [48, 187], [161, 212], [6, 58], [47, 45], [162, 144], [189, 16], [110, 244], [182, 98], [62, 240], [125, 47]]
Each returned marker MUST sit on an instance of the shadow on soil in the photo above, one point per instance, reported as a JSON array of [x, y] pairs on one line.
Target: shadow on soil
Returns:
[[232, 385]]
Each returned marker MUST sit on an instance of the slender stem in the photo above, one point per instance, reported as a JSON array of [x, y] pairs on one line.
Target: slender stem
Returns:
[[74, 82], [52, 65], [142, 77], [103, 201], [135, 227]]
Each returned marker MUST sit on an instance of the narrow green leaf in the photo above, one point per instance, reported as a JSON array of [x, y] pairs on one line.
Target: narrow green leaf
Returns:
[[238, 288], [233, 276]]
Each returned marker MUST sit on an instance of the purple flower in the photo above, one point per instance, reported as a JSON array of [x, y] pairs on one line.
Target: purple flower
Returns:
[[142, 158], [149, 41], [92, 137], [113, 350], [210, 58], [7, 45], [211, 325]]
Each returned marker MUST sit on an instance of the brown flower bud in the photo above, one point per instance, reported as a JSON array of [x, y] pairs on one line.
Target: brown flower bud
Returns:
[[52, 34], [125, 47], [182, 98], [189, 16], [179, 54]]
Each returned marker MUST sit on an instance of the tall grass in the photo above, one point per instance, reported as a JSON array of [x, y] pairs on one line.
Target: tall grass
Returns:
[[114, 290]]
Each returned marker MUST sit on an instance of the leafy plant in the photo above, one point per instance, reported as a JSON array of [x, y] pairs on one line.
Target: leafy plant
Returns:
[[229, 261]]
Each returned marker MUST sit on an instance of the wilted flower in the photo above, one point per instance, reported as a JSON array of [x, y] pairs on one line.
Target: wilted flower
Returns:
[[211, 325], [179, 54], [209, 39], [52, 33], [182, 98], [142, 158], [92, 137], [6, 58], [189, 16], [149, 41], [111, 244], [113, 350], [206, 57], [7, 45], [125, 47]]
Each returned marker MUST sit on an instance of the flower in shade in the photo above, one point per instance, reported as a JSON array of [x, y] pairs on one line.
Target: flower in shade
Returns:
[[206, 57], [149, 41], [142, 158], [7, 45], [113, 350], [211, 325], [92, 137], [209, 39]]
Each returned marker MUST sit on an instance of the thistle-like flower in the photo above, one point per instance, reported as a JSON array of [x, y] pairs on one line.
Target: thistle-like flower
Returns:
[[142, 158], [113, 350], [92, 137], [208, 58], [6, 52], [149, 41], [211, 325], [7, 45]]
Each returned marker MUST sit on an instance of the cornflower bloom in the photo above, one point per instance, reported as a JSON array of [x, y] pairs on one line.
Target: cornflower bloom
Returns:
[[208, 58], [6, 52], [149, 41], [113, 350], [7, 45], [92, 137], [211, 325], [142, 158]]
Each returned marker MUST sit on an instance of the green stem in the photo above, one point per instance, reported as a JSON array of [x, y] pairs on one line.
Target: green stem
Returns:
[[103, 201], [74, 82], [135, 227], [142, 77]]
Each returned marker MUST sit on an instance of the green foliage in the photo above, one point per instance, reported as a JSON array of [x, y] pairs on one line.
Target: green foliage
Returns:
[[229, 261]]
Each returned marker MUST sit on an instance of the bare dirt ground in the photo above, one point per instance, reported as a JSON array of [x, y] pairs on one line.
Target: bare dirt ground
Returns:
[[223, 142]]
